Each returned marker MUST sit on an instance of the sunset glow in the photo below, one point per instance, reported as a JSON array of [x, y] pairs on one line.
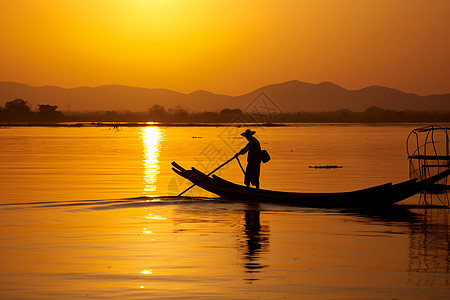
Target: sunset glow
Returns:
[[225, 149], [227, 46], [151, 137]]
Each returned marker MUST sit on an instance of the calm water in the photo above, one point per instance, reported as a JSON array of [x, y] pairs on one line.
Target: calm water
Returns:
[[81, 217]]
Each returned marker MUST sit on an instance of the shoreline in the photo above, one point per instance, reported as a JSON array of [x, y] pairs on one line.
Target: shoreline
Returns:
[[138, 124], [117, 125]]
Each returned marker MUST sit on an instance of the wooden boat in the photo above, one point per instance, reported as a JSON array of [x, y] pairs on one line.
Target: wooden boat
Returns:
[[377, 196]]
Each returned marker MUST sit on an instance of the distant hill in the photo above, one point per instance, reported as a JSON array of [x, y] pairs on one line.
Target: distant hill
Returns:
[[289, 96], [326, 96], [109, 97]]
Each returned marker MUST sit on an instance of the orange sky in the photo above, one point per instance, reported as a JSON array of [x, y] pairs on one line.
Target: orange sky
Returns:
[[227, 46]]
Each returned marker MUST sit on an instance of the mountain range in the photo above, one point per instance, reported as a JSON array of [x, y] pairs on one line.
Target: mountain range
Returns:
[[290, 96]]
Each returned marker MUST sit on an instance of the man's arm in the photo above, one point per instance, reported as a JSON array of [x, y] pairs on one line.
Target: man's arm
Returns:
[[245, 149]]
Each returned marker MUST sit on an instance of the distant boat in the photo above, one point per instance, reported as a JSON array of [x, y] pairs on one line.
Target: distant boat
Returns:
[[372, 197]]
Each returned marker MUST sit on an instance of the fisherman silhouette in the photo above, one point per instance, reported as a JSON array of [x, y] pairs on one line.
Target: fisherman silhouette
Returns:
[[253, 148]]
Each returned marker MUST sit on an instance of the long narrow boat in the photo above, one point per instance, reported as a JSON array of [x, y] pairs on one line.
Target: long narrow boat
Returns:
[[377, 196]]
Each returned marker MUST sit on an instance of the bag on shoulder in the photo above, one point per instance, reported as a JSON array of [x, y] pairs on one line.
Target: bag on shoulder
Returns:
[[265, 157]]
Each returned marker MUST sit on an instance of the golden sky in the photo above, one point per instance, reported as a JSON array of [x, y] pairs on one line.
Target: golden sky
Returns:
[[227, 46]]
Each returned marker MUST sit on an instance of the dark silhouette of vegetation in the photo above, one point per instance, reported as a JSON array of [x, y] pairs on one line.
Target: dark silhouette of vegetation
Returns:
[[179, 115], [49, 113], [157, 112], [18, 111]]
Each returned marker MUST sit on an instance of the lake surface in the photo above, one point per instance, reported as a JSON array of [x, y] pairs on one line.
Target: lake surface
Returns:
[[91, 213]]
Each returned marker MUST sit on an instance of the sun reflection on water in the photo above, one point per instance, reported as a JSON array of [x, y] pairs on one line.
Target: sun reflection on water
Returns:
[[147, 231], [155, 217], [151, 139]]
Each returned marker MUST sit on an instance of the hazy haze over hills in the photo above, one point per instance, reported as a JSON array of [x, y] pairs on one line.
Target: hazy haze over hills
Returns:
[[289, 96]]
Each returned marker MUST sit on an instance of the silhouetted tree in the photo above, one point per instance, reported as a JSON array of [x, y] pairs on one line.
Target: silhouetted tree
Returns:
[[157, 109], [228, 115], [49, 113], [17, 110], [17, 105], [180, 114], [157, 112]]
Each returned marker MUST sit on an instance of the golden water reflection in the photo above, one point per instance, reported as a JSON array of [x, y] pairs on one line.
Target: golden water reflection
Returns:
[[151, 140], [256, 240], [155, 217], [429, 248]]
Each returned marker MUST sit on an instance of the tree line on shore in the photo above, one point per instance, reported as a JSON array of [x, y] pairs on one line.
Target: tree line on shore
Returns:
[[19, 111]]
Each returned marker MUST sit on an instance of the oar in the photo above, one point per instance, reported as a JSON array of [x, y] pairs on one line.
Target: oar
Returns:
[[207, 175], [239, 162]]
